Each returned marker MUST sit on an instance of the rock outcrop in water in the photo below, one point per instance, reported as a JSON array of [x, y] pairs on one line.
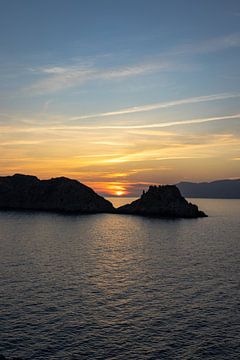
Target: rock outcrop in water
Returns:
[[24, 192], [162, 201]]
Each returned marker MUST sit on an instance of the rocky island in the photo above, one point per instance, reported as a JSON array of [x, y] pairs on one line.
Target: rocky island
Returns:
[[25, 192], [162, 201]]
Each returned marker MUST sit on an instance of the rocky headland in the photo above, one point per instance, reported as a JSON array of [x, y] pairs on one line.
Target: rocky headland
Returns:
[[24, 192], [162, 201]]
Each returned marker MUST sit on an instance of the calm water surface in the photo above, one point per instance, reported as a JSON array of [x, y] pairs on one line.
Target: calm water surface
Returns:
[[121, 287]]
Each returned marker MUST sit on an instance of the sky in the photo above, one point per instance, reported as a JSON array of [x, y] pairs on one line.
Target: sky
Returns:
[[120, 94]]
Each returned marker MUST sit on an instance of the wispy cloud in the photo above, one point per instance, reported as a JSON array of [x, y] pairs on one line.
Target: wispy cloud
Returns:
[[209, 46], [172, 123], [20, 142], [157, 106], [64, 122], [174, 150], [73, 128], [58, 78]]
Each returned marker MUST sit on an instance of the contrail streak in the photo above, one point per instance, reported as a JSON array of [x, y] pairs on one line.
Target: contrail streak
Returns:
[[160, 105]]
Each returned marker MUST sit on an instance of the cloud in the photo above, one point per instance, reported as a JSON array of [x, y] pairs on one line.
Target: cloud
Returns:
[[54, 70], [157, 106], [74, 128], [20, 142], [56, 78], [176, 149], [59, 78], [149, 126], [173, 123], [208, 46]]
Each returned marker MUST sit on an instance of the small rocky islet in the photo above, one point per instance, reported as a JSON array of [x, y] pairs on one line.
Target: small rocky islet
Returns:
[[25, 192], [162, 201]]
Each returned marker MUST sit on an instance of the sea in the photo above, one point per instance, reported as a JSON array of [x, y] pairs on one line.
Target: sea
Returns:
[[121, 287]]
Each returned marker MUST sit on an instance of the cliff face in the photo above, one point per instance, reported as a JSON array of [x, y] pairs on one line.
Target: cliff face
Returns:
[[162, 201], [59, 194]]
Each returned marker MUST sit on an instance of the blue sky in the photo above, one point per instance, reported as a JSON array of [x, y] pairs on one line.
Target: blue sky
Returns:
[[94, 75]]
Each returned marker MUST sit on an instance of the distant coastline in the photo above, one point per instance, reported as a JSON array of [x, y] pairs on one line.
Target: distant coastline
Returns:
[[218, 189]]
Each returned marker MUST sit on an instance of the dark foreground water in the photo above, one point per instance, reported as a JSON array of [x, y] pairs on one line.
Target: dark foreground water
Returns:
[[121, 287]]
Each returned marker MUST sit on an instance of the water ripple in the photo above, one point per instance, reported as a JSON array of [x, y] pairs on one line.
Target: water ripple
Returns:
[[118, 287]]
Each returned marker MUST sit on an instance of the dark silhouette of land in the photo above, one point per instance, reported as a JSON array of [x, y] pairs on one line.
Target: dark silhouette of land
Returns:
[[220, 189], [163, 201], [25, 192]]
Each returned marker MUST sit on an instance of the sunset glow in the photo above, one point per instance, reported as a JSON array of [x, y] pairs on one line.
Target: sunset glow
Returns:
[[154, 107], [119, 193], [119, 179]]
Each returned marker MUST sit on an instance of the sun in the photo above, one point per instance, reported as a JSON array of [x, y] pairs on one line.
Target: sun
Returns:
[[119, 193]]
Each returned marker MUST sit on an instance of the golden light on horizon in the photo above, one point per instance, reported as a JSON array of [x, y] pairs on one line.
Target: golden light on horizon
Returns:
[[119, 193], [110, 189], [152, 156], [116, 189]]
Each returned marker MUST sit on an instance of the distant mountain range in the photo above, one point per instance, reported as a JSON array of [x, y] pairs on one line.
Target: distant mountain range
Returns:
[[222, 189]]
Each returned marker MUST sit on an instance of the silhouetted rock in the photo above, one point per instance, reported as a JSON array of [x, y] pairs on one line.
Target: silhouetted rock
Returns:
[[221, 189], [162, 201], [24, 192]]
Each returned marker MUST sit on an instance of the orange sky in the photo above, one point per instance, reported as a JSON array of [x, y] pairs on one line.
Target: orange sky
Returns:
[[120, 95], [122, 161]]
